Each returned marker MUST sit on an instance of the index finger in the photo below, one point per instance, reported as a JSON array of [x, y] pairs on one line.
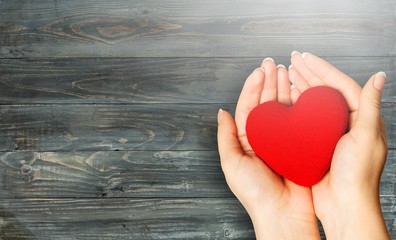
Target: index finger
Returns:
[[334, 78]]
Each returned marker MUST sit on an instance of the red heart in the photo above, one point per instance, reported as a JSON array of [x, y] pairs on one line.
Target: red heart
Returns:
[[298, 142]]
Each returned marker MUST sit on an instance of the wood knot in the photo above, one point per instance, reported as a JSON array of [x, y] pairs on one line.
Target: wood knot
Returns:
[[26, 169]]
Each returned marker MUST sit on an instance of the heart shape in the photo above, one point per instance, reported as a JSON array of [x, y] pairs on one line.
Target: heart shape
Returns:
[[298, 141]]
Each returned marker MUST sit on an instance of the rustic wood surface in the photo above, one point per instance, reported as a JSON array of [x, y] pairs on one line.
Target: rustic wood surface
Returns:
[[152, 80], [108, 108], [70, 127], [124, 218], [140, 28], [132, 174]]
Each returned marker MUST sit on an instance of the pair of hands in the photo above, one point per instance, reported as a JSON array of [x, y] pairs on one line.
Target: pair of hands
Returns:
[[346, 200]]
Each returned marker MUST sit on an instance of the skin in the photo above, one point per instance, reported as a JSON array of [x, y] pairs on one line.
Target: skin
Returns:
[[279, 209], [346, 200]]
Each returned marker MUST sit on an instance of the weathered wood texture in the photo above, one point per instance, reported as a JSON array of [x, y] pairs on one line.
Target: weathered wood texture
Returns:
[[121, 127], [108, 127], [126, 174], [152, 80], [207, 218], [124, 219], [108, 108], [170, 28]]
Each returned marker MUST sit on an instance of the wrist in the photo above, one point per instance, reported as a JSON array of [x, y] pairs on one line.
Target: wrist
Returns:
[[359, 218], [279, 225]]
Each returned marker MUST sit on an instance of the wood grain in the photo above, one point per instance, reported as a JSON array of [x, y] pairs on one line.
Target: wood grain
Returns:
[[208, 218], [121, 127], [124, 219], [152, 80], [171, 28], [108, 127], [108, 108], [132, 174]]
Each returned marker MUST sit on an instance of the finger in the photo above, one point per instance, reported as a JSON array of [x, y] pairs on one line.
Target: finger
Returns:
[[269, 90], [294, 94], [334, 78], [299, 65], [352, 119], [369, 113], [283, 85], [297, 80], [249, 99], [229, 147]]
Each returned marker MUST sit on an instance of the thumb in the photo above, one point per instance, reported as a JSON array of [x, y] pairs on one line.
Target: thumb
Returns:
[[230, 149], [369, 114]]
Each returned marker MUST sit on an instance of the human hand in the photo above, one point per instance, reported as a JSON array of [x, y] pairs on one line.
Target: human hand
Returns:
[[346, 200], [279, 209]]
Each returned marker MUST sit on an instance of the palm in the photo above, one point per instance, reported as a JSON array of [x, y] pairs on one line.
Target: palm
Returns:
[[279, 205], [252, 180], [266, 186], [347, 200], [336, 181], [261, 184], [339, 184]]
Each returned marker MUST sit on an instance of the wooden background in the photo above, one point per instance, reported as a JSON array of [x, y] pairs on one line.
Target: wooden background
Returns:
[[108, 108]]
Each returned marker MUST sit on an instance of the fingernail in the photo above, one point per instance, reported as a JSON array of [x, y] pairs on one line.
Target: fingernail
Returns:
[[304, 54], [379, 80], [281, 66], [381, 74], [290, 67], [269, 59], [219, 116], [261, 69], [295, 52]]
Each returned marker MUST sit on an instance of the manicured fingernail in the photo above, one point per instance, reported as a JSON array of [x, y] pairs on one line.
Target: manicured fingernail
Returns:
[[219, 116], [281, 66], [290, 67], [269, 59], [303, 55], [295, 52], [379, 80], [381, 74]]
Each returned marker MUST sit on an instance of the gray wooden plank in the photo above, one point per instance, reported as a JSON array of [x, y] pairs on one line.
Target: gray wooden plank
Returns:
[[108, 127], [210, 218], [389, 116], [388, 178], [152, 80], [133, 174], [170, 28], [121, 127], [389, 212], [124, 219]]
